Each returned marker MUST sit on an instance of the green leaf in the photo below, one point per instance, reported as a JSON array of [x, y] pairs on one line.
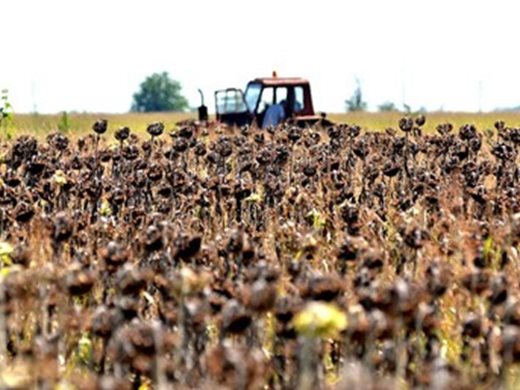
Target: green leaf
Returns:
[[253, 198], [85, 349], [105, 210], [5, 251], [319, 319]]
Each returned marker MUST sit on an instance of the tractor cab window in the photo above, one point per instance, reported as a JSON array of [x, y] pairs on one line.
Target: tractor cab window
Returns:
[[271, 95], [281, 94], [266, 99], [298, 99], [252, 95]]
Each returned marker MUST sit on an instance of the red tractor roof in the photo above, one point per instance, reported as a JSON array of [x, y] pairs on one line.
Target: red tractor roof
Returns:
[[275, 81]]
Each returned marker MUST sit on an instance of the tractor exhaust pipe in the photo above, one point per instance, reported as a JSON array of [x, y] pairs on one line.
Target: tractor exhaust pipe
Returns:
[[203, 109]]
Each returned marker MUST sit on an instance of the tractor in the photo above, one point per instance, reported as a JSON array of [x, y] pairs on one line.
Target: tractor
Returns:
[[237, 108]]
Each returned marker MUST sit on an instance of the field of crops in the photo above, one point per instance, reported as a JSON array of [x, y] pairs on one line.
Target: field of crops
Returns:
[[40, 125], [342, 257]]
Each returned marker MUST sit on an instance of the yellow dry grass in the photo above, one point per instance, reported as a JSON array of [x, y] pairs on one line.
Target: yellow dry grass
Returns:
[[380, 121], [42, 124]]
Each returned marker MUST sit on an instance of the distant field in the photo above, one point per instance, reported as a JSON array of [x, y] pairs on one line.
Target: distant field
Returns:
[[380, 121], [40, 124]]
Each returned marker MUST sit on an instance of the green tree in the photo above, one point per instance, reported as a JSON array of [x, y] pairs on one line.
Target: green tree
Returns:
[[158, 93], [64, 123], [356, 102], [387, 107], [6, 113]]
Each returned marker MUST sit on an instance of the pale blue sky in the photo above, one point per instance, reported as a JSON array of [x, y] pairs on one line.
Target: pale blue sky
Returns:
[[92, 55]]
